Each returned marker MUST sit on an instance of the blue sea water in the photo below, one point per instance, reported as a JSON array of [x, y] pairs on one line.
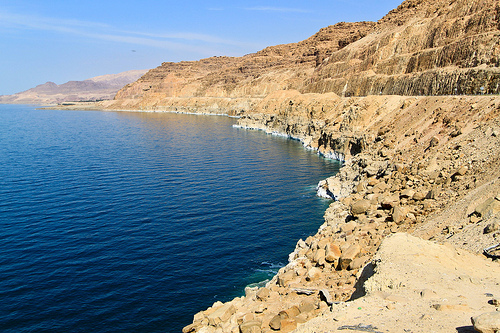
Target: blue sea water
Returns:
[[133, 222]]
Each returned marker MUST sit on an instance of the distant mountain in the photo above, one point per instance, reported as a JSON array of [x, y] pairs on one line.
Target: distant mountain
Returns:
[[97, 88]]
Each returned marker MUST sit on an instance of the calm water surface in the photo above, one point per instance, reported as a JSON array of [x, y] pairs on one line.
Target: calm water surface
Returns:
[[133, 222]]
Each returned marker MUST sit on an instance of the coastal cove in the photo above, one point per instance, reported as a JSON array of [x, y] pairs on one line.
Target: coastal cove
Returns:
[[134, 221]]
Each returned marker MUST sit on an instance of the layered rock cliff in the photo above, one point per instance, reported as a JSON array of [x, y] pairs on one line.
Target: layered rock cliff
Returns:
[[420, 48]]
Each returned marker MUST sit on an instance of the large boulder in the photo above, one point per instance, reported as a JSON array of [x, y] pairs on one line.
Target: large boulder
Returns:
[[487, 322], [360, 207]]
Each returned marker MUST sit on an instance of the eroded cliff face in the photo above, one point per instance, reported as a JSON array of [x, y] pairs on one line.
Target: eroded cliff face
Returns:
[[420, 48], [255, 75]]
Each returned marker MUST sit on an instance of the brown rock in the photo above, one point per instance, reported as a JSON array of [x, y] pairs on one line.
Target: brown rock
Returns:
[[293, 311], [314, 273], [358, 263], [191, 328], [372, 181], [332, 253], [348, 227], [408, 193], [288, 325], [399, 214], [319, 256], [307, 306], [434, 141], [419, 195], [221, 314], [389, 202], [263, 293], [275, 323]]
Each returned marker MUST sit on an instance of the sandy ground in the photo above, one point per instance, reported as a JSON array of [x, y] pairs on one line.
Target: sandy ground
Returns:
[[417, 286]]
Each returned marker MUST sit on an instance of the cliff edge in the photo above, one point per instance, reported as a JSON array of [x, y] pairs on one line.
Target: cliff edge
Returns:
[[410, 104]]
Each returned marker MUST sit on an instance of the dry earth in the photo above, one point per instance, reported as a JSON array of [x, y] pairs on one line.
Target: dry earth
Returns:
[[418, 286]]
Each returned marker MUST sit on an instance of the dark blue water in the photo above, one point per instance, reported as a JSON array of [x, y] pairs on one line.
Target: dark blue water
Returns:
[[133, 222]]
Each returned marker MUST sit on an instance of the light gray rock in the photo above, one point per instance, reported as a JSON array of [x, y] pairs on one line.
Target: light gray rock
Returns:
[[487, 322], [360, 207], [488, 207]]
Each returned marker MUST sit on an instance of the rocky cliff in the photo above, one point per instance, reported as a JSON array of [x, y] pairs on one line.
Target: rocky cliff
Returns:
[[420, 48], [422, 165], [409, 103]]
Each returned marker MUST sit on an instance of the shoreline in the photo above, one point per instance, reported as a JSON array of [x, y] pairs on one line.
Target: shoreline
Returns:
[[412, 164], [398, 182]]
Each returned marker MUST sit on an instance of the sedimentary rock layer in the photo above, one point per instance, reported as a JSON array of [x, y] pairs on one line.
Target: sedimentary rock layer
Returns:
[[420, 48]]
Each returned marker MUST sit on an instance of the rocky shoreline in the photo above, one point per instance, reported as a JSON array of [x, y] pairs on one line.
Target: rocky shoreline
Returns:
[[427, 166], [398, 176]]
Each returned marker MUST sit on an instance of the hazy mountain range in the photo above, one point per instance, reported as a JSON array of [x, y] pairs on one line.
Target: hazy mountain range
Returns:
[[93, 89]]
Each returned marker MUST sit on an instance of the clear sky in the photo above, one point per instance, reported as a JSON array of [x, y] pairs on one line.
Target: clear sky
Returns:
[[63, 40]]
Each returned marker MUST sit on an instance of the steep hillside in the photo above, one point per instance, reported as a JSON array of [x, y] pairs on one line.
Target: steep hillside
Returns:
[[420, 48], [255, 75], [93, 89]]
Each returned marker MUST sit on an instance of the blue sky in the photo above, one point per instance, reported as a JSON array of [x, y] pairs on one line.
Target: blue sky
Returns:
[[63, 40]]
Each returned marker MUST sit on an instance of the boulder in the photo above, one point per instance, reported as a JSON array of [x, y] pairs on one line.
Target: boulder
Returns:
[[319, 257], [389, 201], [293, 311], [419, 195], [283, 322], [348, 227], [284, 279], [348, 256], [332, 253], [399, 214], [307, 306], [221, 315], [360, 207], [253, 326], [487, 322], [408, 193], [263, 293], [488, 207], [314, 273], [275, 323], [380, 187], [288, 325]]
